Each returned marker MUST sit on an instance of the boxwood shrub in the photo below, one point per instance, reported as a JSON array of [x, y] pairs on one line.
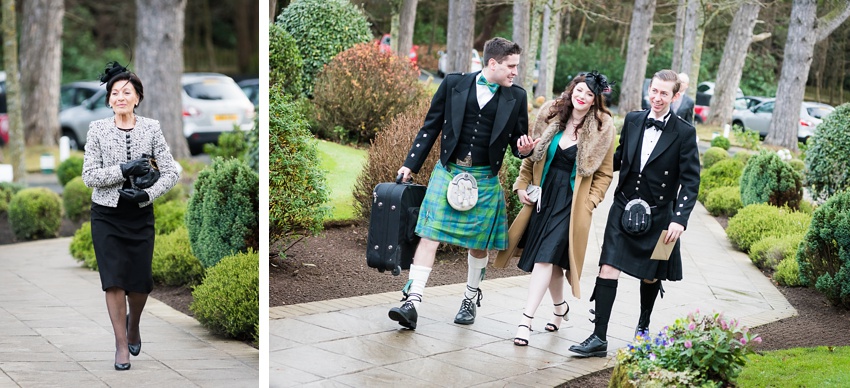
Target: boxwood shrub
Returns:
[[82, 247], [768, 179], [169, 216], [788, 273], [768, 252], [35, 213], [757, 221], [827, 164], [77, 199], [721, 142], [285, 62], [69, 169], [713, 155], [724, 173], [223, 213], [7, 190], [824, 255], [724, 201], [173, 262], [227, 302]]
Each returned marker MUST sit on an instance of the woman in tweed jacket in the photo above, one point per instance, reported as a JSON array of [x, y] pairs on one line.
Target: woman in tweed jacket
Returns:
[[122, 220]]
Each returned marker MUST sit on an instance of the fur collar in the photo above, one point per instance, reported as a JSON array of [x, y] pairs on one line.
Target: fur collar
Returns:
[[593, 144]]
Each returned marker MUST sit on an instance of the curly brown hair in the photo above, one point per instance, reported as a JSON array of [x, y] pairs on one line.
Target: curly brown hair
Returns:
[[563, 106]]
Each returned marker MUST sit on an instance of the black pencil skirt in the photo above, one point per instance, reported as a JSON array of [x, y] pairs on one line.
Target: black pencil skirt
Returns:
[[123, 240]]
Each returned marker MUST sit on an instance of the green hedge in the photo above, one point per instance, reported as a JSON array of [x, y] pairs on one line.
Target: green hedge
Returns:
[[227, 302], [788, 273], [69, 169], [169, 216], [827, 164], [82, 248], [285, 63], [721, 142], [713, 155], [7, 191], [724, 173], [768, 179], [77, 199], [768, 252], [35, 213], [824, 255], [724, 201], [173, 262], [222, 216], [757, 221]]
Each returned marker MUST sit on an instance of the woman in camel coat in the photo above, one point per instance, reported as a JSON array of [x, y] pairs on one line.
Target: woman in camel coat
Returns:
[[575, 155]]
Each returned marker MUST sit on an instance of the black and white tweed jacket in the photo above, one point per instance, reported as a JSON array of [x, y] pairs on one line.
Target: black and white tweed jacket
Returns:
[[108, 147]]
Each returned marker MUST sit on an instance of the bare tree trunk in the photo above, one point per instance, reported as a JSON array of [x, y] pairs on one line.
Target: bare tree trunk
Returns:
[[554, 33], [679, 35], [520, 36], [543, 68], [395, 8], [636, 57], [696, 56], [566, 22], [159, 64], [208, 33], [689, 38], [533, 43], [804, 31], [13, 91], [732, 63], [41, 55], [244, 45], [459, 35], [494, 15], [407, 21], [272, 9]]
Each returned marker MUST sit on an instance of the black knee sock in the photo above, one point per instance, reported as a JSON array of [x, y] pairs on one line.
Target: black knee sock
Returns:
[[648, 294], [604, 293]]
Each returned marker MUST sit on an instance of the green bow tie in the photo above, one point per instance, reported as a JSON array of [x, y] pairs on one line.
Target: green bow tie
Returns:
[[493, 87]]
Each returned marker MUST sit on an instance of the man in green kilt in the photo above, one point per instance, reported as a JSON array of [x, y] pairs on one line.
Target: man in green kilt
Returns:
[[477, 117]]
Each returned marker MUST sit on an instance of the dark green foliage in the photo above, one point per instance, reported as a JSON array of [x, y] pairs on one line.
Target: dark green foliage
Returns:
[[285, 63], [743, 157], [724, 201], [7, 190], [180, 192], [77, 199], [35, 213], [721, 142], [173, 262], [798, 165], [757, 221], [222, 216], [322, 29], [508, 176], [230, 145], [713, 155], [69, 169], [252, 144], [169, 216], [575, 57], [824, 255], [297, 190], [724, 173], [768, 252], [827, 162], [767, 179], [361, 90], [228, 300], [82, 247]]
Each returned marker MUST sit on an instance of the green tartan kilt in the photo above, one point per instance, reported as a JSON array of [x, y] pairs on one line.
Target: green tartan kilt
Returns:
[[483, 227]]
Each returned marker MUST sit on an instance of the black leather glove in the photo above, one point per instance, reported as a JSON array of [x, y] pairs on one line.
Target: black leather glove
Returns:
[[134, 195], [135, 167]]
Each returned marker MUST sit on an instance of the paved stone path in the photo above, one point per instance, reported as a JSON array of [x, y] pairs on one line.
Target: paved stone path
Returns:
[[55, 332], [351, 342]]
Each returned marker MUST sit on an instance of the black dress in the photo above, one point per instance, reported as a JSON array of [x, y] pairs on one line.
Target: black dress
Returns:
[[547, 237]]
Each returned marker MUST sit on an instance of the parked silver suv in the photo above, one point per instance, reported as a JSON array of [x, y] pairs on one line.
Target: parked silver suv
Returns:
[[212, 104]]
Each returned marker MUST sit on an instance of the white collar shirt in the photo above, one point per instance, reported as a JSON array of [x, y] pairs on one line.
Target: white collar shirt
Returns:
[[650, 138], [482, 92]]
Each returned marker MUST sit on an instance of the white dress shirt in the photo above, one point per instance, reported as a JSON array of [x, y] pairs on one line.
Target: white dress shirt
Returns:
[[650, 137], [482, 92]]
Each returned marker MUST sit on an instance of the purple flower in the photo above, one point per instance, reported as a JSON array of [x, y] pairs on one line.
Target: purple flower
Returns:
[[688, 344], [757, 340], [744, 341], [651, 356], [692, 326]]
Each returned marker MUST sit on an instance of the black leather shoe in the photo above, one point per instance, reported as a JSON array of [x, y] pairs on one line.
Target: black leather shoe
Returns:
[[643, 322], [135, 349], [405, 315], [122, 366], [466, 314], [591, 347]]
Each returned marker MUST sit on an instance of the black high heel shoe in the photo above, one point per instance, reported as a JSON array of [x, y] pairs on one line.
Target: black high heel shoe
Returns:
[[122, 366], [519, 341], [550, 327], [135, 349]]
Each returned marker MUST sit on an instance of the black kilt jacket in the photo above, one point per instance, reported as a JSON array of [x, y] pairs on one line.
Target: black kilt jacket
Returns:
[[672, 176], [445, 119]]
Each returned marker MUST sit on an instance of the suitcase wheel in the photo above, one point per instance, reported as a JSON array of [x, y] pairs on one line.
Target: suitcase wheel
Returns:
[[397, 270]]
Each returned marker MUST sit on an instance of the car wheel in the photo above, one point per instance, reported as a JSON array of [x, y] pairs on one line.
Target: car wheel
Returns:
[[72, 139]]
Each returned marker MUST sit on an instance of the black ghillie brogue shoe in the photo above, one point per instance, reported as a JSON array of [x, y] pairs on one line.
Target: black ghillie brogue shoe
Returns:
[[591, 347], [466, 313], [405, 315], [643, 322]]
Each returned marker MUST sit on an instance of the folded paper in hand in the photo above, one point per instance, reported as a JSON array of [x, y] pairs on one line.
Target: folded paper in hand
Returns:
[[662, 251]]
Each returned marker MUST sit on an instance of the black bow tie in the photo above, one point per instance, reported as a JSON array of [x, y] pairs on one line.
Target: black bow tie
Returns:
[[657, 124]]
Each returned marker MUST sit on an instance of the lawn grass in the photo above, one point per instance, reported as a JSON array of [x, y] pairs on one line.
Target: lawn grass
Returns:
[[799, 367], [342, 165], [32, 156]]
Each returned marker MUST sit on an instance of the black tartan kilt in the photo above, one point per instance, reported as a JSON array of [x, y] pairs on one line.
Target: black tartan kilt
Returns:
[[630, 254]]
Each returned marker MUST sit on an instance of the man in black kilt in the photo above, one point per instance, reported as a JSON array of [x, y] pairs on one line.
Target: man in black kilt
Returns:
[[477, 116], [659, 167]]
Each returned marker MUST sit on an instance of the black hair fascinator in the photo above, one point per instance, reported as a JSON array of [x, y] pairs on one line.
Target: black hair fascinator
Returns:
[[112, 69], [597, 83]]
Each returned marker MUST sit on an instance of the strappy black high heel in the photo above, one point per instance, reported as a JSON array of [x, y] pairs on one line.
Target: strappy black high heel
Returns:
[[550, 327], [519, 341]]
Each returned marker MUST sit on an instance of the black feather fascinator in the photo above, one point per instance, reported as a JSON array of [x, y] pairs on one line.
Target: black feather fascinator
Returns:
[[597, 83], [112, 69]]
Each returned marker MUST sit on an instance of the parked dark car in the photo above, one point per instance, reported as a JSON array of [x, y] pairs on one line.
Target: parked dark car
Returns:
[[251, 87], [74, 93]]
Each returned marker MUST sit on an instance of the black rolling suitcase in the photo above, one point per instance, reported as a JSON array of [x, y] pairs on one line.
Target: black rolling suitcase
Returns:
[[391, 240]]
